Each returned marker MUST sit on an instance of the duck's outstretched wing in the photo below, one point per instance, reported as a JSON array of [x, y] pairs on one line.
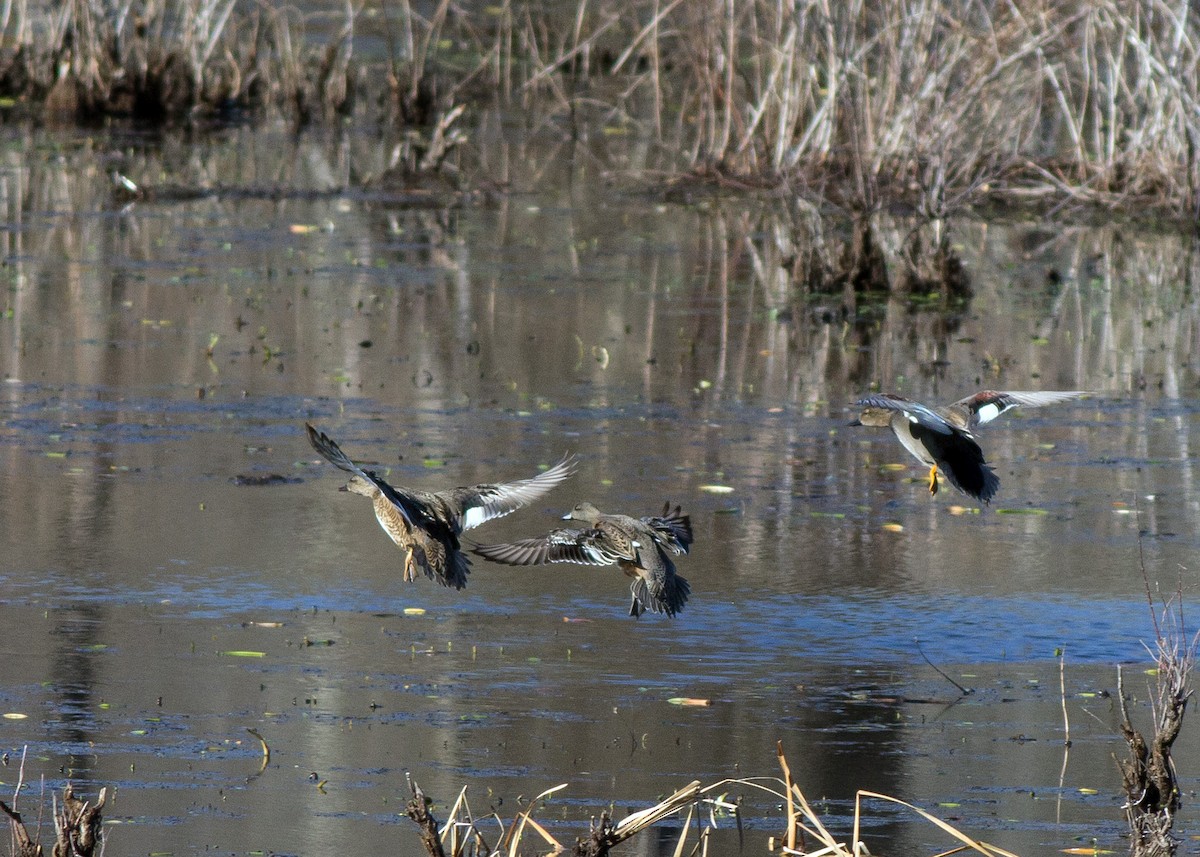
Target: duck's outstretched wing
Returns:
[[407, 504], [983, 407], [479, 504], [332, 453], [915, 412], [582, 547]]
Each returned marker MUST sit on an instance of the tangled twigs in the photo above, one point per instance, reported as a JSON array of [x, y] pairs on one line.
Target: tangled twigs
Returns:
[[1148, 775], [77, 825]]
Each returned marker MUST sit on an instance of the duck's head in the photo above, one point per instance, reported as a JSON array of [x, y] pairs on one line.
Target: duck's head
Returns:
[[358, 485], [585, 512]]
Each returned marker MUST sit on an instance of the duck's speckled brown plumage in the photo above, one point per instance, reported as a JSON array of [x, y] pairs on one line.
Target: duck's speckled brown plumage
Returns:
[[942, 438], [427, 525], [639, 546]]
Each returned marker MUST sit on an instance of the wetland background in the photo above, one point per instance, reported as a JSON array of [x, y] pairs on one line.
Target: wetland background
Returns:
[[539, 291]]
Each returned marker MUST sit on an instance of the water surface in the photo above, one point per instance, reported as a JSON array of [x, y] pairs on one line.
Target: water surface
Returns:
[[155, 356]]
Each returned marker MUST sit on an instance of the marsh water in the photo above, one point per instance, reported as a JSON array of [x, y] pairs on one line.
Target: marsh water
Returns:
[[177, 566]]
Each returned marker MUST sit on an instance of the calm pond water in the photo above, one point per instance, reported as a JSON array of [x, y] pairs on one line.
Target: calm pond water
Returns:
[[154, 353]]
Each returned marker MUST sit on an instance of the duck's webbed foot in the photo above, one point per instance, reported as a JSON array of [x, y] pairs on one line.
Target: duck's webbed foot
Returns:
[[933, 485]]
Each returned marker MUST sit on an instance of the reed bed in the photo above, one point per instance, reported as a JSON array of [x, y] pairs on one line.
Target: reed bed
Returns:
[[933, 104]]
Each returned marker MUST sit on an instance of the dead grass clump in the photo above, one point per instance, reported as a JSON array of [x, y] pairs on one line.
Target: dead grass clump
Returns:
[[164, 62]]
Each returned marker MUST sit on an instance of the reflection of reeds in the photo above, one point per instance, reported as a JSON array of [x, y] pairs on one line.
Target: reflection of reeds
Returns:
[[462, 835]]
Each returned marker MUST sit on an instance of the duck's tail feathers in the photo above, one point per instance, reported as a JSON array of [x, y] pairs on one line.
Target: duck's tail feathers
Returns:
[[669, 599], [458, 566], [673, 529]]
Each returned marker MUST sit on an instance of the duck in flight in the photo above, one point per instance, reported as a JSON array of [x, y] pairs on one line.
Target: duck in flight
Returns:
[[942, 438], [640, 547], [427, 525]]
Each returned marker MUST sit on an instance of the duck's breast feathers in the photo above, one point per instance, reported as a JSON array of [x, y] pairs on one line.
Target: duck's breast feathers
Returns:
[[914, 412], [410, 505], [481, 503], [983, 407]]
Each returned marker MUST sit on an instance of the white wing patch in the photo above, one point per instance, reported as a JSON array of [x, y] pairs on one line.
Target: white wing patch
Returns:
[[989, 412], [474, 516]]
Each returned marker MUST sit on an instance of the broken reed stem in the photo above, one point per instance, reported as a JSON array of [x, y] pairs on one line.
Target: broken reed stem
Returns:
[[20, 775], [20, 843], [1062, 695], [963, 690], [787, 788], [418, 811], [266, 750], [605, 835]]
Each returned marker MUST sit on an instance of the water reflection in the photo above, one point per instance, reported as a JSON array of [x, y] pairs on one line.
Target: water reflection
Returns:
[[151, 352]]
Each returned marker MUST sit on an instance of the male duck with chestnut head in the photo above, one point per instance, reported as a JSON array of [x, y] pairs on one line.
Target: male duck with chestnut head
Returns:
[[941, 438]]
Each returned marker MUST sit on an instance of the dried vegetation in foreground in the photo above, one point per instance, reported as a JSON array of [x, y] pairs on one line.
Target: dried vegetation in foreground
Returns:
[[76, 825], [464, 835], [936, 104]]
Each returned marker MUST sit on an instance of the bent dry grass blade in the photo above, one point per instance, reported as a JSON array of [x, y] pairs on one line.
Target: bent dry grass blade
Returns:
[[517, 830], [973, 844]]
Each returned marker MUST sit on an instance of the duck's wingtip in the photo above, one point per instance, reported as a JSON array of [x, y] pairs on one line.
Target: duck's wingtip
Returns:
[[568, 464]]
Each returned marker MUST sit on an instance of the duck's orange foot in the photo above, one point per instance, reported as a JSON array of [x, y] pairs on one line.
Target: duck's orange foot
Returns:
[[933, 486], [410, 572]]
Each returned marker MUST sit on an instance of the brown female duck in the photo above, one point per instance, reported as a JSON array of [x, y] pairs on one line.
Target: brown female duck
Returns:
[[638, 546], [427, 525]]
